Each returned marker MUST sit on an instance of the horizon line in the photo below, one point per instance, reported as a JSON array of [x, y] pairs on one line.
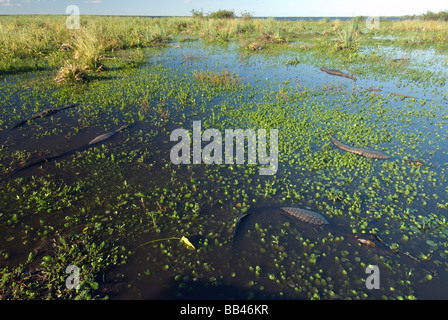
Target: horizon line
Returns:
[[205, 17]]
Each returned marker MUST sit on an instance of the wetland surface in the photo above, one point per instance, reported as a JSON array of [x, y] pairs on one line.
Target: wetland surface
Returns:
[[118, 209]]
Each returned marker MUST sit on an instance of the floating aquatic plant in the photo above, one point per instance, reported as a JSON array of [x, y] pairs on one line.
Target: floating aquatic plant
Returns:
[[218, 79]]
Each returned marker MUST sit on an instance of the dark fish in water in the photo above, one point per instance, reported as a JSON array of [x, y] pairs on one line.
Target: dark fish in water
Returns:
[[311, 218], [337, 73], [44, 113], [402, 95], [20, 123], [362, 152], [241, 217], [374, 89], [301, 214], [108, 135], [83, 147], [401, 60], [102, 137], [306, 215]]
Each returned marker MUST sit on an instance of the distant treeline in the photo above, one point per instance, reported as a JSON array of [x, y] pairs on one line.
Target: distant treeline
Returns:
[[442, 16], [220, 14], [230, 14]]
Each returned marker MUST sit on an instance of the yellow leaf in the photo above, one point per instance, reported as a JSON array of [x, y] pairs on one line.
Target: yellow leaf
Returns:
[[187, 243]]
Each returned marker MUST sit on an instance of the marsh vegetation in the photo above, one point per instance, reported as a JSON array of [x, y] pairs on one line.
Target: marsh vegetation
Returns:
[[141, 227]]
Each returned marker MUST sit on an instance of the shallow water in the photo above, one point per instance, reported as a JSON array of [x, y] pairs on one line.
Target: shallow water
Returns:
[[127, 191]]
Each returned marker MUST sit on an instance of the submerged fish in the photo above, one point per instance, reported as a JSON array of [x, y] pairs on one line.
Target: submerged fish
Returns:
[[44, 113], [337, 73], [66, 153], [362, 152], [402, 95], [108, 135], [372, 242], [400, 60], [303, 215], [102, 137], [307, 216]]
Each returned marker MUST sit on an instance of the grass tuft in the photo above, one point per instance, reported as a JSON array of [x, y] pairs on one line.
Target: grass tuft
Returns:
[[348, 38], [71, 73], [89, 50]]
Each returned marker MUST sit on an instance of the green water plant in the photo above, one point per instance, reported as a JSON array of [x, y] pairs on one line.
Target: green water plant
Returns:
[[292, 62], [224, 78], [42, 275]]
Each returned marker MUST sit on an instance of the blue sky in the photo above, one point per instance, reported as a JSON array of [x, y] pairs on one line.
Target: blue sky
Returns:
[[260, 8]]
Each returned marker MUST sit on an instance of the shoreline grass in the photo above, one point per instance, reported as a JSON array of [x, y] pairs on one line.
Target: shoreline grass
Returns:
[[40, 42]]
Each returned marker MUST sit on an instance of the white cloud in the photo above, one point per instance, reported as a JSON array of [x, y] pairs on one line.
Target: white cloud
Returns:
[[9, 3]]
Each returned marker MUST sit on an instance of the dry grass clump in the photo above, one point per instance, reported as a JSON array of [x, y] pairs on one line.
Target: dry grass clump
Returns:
[[88, 53], [263, 40], [71, 73], [271, 38], [254, 46]]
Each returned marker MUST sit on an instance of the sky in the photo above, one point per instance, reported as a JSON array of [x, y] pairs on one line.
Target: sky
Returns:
[[257, 8]]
